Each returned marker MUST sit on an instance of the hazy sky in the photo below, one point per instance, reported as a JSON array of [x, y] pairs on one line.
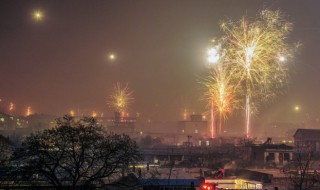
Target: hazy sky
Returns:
[[61, 63]]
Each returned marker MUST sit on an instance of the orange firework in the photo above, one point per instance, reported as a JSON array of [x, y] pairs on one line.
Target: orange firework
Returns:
[[220, 93]]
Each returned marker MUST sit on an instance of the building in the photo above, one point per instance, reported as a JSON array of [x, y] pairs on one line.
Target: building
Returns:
[[196, 127], [271, 155], [236, 183], [307, 140], [121, 124]]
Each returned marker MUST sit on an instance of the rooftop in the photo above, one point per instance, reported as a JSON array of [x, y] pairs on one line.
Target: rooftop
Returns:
[[307, 133]]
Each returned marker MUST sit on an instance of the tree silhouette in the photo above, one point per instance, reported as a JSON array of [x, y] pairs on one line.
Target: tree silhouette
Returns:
[[300, 172], [76, 153]]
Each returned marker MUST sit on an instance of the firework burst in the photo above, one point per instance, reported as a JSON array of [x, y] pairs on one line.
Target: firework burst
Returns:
[[220, 93], [121, 98], [255, 51]]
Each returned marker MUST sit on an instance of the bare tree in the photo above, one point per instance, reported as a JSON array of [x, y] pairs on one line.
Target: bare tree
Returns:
[[300, 172], [6, 147], [76, 153]]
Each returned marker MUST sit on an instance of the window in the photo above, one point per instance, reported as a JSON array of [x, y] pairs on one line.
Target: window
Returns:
[[270, 157], [286, 156]]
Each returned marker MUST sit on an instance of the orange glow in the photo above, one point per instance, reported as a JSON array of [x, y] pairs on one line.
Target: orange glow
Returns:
[[112, 56], [11, 106], [72, 113], [94, 114], [185, 114], [29, 112], [221, 95]]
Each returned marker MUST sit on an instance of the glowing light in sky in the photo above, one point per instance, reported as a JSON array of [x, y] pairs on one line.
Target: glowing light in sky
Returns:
[[37, 15], [121, 98], [252, 53], [213, 55], [112, 56], [221, 94], [282, 58]]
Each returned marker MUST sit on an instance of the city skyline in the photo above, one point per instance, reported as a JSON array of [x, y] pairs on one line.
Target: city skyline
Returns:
[[69, 57]]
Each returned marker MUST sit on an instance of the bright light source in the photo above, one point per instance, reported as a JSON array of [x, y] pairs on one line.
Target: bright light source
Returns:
[[29, 112], [38, 15], [213, 55], [249, 53], [296, 108], [72, 113], [282, 58], [112, 56], [11, 106]]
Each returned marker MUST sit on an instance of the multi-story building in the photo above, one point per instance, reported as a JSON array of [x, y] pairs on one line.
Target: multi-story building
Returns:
[[121, 124], [196, 126]]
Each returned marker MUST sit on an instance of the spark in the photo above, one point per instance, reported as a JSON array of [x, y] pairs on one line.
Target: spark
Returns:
[[220, 93], [112, 56], [37, 15], [121, 98], [282, 58], [213, 55], [252, 51]]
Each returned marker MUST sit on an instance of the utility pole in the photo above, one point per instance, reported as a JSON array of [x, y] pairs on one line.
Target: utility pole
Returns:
[[189, 143]]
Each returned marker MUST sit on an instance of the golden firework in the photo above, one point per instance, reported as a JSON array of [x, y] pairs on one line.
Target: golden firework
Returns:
[[121, 98], [220, 93], [255, 52]]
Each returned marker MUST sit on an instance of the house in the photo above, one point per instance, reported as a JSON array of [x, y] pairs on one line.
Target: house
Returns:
[[196, 126], [272, 155], [307, 140]]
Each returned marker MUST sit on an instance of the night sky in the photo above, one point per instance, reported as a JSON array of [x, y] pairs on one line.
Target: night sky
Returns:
[[61, 62]]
